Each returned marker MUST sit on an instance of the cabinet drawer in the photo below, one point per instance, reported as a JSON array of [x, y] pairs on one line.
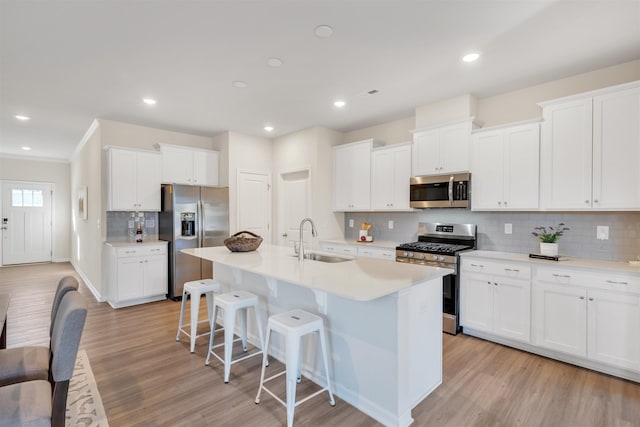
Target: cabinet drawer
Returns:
[[507, 269], [600, 280], [131, 251]]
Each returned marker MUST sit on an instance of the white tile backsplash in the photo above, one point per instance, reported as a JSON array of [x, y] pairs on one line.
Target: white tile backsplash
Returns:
[[580, 241], [118, 226]]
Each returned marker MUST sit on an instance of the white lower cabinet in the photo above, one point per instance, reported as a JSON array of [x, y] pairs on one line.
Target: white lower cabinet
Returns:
[[136, 273], [560, 314], [496, 298], [613, 328], [359, 249], [599, 325]]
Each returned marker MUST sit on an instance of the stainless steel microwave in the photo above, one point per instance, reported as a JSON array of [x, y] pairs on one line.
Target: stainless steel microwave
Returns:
[[440, 191]]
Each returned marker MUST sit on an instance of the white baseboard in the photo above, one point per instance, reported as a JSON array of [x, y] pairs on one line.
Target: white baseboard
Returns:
[[62, 260], [87, 282]]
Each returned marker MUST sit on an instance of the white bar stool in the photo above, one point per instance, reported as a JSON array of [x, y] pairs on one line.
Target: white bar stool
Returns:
[[196, 289], [230, 303], [293, 325]]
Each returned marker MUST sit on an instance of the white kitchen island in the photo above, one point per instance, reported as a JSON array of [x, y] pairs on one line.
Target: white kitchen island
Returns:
[[383, 320]]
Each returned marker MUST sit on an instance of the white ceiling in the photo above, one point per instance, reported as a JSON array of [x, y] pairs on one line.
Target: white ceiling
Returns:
[[64, 63]]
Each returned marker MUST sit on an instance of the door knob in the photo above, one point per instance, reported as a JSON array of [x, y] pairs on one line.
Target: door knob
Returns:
[[284, 235]]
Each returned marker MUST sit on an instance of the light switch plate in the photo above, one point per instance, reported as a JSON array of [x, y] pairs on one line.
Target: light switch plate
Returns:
[[350, 223], [508, 228], [390, 224], [602, 232]]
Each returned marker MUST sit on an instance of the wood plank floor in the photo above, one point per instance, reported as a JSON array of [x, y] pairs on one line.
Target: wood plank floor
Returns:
[[146, 378]]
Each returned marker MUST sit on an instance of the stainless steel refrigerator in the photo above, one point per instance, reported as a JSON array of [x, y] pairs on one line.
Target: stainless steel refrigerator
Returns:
[[192, 217]]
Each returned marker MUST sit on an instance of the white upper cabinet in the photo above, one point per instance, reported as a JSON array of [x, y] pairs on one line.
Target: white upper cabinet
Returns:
[[191, 166], [566, 155], [390, 174], [616, 150], [352, 176], [442, 149], [505, 168], [133, 180], [590, 150]]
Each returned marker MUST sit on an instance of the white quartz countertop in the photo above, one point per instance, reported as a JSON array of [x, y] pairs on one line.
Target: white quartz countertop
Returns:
[[146, 242], [624, 267], [384, 244], [361, 279]]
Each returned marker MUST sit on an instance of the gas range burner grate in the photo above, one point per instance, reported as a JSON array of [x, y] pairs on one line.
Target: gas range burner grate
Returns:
[[432, 247]]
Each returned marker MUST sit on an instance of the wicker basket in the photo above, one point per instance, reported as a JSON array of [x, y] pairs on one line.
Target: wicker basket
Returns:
[[243, 241]]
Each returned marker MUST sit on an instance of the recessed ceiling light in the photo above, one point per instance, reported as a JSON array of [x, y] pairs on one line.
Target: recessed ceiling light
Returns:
[[323, 31], [274, 62], [25, 148], [268, 128], [470, 57], [239, 83], [339, 104], [149, 101], [23, 118]]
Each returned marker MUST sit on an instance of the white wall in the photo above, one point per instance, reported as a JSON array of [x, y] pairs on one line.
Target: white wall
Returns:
[[392, 132], [134, 136], [311, 148], [87, 235], [57, 173], [246, 152], [88, 167], [522, 104], [459, 107]]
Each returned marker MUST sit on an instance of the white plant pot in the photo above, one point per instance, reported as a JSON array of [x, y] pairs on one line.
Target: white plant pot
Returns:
[[549, 249]]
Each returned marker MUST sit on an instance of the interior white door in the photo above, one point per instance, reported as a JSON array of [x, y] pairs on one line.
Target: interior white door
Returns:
[[254, 203], [26, 222], [294, 204]]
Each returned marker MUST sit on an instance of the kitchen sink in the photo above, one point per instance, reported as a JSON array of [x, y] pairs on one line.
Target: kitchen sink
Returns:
[[325, 258], [314, 256]]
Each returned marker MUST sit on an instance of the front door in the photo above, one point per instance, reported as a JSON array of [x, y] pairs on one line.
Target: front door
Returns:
[[26, 222]]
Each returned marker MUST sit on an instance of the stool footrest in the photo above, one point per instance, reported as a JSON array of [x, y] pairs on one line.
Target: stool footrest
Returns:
[[238, 359], [202, 334], [299, 402]]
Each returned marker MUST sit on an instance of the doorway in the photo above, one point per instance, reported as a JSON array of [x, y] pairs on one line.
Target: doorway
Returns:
[[26, 222], [294, 204], [254, 203]]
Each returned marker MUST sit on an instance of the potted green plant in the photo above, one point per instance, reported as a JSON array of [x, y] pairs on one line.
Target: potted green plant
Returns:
[[548, 237]]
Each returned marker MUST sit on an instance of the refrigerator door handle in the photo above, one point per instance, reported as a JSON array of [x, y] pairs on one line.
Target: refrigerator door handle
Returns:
[[200, 224]]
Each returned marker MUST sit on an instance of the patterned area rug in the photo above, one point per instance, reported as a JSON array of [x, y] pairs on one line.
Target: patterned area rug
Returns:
[[84, 405]]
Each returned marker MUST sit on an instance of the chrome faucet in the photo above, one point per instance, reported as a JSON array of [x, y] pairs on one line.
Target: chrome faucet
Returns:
[[300, 243]]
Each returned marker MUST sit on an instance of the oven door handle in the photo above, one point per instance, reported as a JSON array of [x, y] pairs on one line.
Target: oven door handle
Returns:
[[451, 190]]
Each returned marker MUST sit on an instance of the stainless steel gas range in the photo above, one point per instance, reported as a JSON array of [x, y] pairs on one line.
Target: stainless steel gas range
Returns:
[[439, 245]]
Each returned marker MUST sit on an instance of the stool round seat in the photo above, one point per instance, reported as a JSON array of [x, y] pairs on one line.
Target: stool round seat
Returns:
[[293, 325], [196, 289], [230, 303]]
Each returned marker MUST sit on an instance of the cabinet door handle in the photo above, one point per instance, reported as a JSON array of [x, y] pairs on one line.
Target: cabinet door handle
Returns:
[[586, 201], [495, 284], [595, 201], [566, 276], [129, 252], [512, 270], [155, 250], [591, 299], [581, 297], [617, 283], [477, 265]]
